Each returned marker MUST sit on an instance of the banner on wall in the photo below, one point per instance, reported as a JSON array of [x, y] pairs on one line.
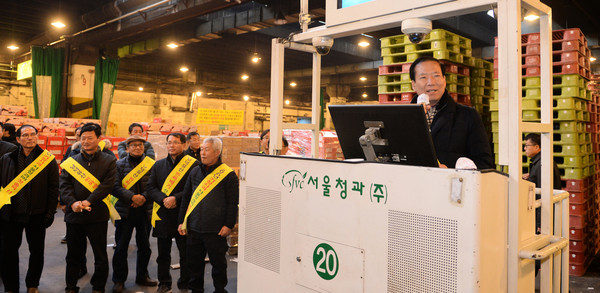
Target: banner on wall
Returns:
[[221, 117]]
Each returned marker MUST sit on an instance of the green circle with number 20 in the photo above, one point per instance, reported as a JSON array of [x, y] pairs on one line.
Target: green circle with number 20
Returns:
[[326, 261]]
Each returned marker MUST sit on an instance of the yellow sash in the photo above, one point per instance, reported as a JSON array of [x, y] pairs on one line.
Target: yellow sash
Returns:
[[90, 182], [171, 182], [137, 173], [205, 187], [25, 177], [101, 144]]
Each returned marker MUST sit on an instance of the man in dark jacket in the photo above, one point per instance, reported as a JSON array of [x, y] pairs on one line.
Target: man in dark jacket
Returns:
[[31, 209], [208, 214], [136, 129], [165, 188], [135, 212], [194, 141], [457, 130], [86, 214], [6, 147]]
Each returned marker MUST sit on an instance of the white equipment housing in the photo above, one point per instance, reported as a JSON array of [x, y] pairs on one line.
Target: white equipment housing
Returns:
[[413, 229]]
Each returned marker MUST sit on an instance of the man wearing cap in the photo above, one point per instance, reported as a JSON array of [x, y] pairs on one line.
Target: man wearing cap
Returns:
[[135, 210]]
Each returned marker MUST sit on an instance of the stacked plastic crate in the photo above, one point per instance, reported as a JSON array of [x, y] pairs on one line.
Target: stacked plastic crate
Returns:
[[594, 130], [399, 53], [573, 149], [482, 90]]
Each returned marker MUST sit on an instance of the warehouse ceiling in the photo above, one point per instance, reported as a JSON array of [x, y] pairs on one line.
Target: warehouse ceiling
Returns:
[[217, 40]]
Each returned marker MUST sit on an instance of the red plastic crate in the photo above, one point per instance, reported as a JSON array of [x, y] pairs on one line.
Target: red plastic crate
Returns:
[[579, 258], [55, 141], [55, 150], [399, 98], [578, 209], [394, 68], [578, 270], [578, 245], [41, 140], [576, 184], [579, 233], [578, 221]]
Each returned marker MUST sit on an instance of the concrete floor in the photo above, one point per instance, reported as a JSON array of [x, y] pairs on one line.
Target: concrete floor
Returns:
[[53, 277]]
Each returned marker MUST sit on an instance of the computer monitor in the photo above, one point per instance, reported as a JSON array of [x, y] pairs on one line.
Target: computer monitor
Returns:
[[404, 127]]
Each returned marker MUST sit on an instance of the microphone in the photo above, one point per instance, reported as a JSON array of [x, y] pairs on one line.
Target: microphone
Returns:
[[423, 99]]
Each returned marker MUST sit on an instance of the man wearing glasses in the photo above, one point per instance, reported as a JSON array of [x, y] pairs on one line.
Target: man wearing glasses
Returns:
[[30, 207], [165, 189], [135, 210]]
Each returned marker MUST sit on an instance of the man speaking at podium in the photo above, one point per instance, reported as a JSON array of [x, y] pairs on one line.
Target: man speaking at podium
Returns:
[[456, 130]]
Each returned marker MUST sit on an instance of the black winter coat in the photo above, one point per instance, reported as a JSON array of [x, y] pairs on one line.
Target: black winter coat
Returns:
[[6, 147], [219, 208], [42, 191], [457, 131], [123, 205], [167, 226], [104, 167]]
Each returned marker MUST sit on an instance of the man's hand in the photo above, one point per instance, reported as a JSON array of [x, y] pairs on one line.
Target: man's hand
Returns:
[[526, 176], [170, 202], [76, 207], [225, 231], [86, 205], [137, 200], [182, 231]]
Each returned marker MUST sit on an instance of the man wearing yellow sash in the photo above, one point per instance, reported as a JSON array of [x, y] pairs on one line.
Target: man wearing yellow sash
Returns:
[[133, 172], [208, 214], [29, 178], [86, 214], [165, 188]]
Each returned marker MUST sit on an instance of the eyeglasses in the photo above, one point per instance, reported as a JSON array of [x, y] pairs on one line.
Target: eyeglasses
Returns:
[[27, 135], [136, 145]]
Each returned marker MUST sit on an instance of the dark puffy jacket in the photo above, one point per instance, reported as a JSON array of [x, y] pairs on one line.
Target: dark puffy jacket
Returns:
[[124, 166], [72, 152], [457, 131], [6, 147], [167, 226], [42, 191], [219, 207], [102, 166]]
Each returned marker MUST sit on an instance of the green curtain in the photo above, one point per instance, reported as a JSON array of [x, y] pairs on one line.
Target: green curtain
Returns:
[[46, 67], [104, 86]]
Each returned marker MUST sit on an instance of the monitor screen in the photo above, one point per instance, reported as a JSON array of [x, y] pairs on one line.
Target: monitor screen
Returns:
[[404, 127]]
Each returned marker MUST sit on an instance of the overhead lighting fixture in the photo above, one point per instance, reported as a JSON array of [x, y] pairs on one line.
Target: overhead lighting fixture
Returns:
[[246, 98], [208, 94], [364, 95], [362, 78], [491, 13], [58, 24], [244, 77], [172, 45], [531, 17], [184, 69], [364, 44], [198, 93], [592, 59], [140, 89], [255, 58], [287, 102], [292, 84], [13, 47]]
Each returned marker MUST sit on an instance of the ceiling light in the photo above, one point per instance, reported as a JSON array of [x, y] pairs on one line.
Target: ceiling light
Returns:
[[244, 77], [58, 24], [364, 44], [293, 84], [184, 69], [364, 95], [592, 59], [198, 93], [287, 102], [491, 13], [255, 58], [246, 98], [140, 89], [362, 78], [531, 17], [208, 94], [13, 47], [172, 45]]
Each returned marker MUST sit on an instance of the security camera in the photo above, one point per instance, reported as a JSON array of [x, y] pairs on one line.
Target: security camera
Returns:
[[416, 29], [322, 44]]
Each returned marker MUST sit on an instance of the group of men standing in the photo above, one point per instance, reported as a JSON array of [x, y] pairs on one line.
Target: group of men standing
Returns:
[[194, 202]]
